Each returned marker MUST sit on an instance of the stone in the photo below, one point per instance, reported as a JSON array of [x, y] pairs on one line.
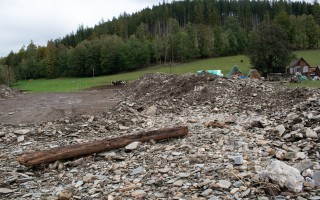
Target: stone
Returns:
[[20, 138], [22, 131], [231, 119], [132, 146], [311, 134], [123, 128], [138, 194], [178, 183], [245, 193], [78, 184], [223, 184], [238, 160], [280, 129], [5, 191], [295, 156], [308, 173], [137, 170], [65, 195], [90, 120], [285, 176], [303, 165], [2, 134], [234, 190], [314, 198], [206, 193], [151, 111], [316, 178]]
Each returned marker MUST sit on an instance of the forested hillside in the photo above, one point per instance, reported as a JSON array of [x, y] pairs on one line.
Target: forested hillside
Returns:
[[168, 32]]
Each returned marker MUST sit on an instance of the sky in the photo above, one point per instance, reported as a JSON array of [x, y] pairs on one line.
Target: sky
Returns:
[[41, 20]]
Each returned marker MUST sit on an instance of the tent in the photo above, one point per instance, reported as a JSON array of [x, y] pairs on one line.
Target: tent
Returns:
[[234, 72]]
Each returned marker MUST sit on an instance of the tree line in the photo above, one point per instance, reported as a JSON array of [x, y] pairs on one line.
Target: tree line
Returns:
[[169, 32]]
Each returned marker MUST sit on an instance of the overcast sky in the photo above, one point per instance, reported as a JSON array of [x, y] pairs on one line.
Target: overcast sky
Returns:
[[41, 20]]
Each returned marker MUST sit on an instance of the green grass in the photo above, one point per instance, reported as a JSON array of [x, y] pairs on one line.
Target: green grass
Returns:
[[222, 63], [309, 83]]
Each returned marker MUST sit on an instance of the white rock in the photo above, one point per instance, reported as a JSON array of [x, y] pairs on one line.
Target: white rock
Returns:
[[311, 134], [178, 183], [285, 175], [280, 129], [22, 131], [223, 184], [91, 119], [123, 127], [138, 194], [78, 184], [20, 138], [132, 146], [151, 111], [5, 191]]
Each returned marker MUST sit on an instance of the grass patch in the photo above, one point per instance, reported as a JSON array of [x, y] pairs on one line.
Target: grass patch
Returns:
[[308, 83], [222, 63]]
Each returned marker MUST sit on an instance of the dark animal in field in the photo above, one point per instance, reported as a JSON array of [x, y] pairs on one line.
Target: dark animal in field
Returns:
[[115, 83]]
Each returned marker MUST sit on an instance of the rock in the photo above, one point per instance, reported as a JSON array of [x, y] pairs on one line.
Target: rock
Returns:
[[78, 184], [151, 111], [132, 146], [238, 160], [5, 191], [316, 178], [22, 131], [285, 176], [223, 184], [314, 198], [178, 183], [256, 123], [308, 173], [295, 155], [137, 170], [123, 128], [303, 165], [311, 134], [20, 138], [65, 195], [231, 119], [317, 129], [138, 194], [206, 193], [234, 190], [2, 134], [245, 193], [280, 129], [91, 119]]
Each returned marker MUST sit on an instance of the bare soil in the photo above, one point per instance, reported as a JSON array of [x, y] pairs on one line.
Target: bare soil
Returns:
[[42, 107]]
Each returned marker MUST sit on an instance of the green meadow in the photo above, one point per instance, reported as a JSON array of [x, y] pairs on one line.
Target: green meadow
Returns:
[[222, 63]]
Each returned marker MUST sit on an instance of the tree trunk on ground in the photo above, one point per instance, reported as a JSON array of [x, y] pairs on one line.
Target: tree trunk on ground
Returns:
[[73, 151]]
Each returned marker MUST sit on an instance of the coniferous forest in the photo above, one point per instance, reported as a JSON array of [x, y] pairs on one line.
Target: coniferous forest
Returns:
[[169, 32]]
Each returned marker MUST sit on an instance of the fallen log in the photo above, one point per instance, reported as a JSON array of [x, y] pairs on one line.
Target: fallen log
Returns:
[[77, 150]]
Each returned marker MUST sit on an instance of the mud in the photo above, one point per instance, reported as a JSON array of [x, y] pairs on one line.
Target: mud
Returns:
[[43, 107]]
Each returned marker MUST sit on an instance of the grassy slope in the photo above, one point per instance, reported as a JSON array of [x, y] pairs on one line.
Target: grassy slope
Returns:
[[223, 63]]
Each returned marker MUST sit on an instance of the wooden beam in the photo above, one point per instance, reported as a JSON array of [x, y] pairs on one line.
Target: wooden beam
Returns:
[[73, 151]]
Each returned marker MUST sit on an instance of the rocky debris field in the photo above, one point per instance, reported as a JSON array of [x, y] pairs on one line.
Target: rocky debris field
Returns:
[[247, 140], [6, 92]]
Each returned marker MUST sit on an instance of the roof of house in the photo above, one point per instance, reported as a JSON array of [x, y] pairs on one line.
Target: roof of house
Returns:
[[295, 63]]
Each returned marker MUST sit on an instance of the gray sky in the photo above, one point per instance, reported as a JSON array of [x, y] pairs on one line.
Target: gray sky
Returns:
[[41, 20]]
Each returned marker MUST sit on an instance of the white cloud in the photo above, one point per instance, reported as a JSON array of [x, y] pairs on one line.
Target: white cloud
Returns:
[[41, 20]]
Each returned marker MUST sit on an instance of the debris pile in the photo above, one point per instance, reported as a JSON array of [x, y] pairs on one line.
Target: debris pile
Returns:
[[247, 140], [6, 92]]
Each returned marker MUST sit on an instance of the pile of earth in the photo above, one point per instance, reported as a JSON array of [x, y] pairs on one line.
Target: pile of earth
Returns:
[[247, 140], [172, 93], [6, 92]]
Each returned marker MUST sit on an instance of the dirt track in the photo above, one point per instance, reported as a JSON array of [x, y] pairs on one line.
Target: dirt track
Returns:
[[34, 108]]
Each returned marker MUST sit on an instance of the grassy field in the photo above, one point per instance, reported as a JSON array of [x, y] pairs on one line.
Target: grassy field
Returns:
[[223, 63]]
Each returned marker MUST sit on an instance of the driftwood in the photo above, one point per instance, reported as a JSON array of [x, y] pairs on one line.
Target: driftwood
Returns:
[[73, 151]]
